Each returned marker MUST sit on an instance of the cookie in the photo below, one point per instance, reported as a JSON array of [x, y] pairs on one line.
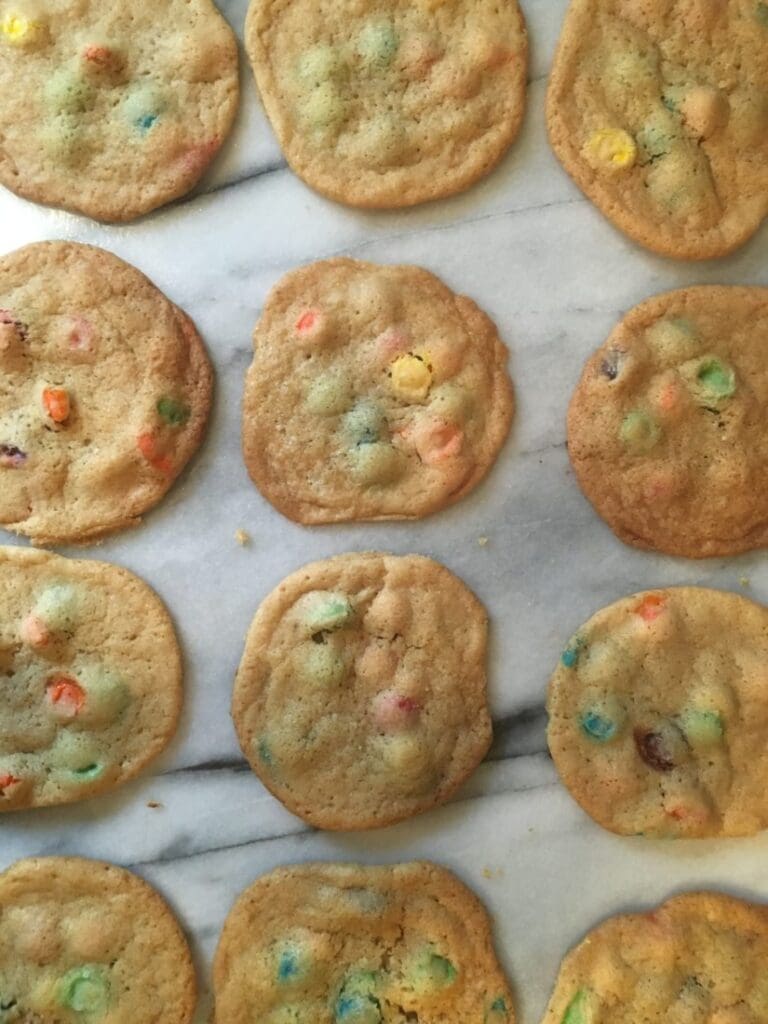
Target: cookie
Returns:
[[91, 674], [375, 392], [387, 105], [361, 695], [697, 958], [658, 110], [359, 945], [667, 427], [112, 109], [658, 714], [83, 941], [105, 392]]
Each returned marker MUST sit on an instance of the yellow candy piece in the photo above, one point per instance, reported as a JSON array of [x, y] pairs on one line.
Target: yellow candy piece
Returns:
[[19, 30], [610, 149], [411, 378]]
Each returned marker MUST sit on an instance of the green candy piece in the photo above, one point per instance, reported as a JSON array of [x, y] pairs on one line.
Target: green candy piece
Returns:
[[107, 696], [75, 752], [716, 379], [57, 606], [324, 107], [357, 1003], [761, 12], [265, 754], [328, 611], [329, 395], [85, 990], [433, 971], [639, 431], [377, 44], [702, 728], [68, 93], [143, 105], [90, 772], [321, 664], [579, 1010], [497, 1012], [173, 412], [319, 64]]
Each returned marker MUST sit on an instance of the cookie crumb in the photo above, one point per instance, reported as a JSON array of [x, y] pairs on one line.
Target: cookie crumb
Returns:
[[745, 581], [243, 538], [482, 541], [154, 804]]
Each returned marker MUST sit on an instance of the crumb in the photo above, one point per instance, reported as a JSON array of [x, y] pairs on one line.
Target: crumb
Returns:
[[487, 873], [243, 538], [744, 581], [153, 804], [482, 541], [493, 872]]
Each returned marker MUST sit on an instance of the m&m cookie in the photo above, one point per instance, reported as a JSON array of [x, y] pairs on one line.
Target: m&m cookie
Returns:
[[658, 714], [83, 942], [696, 959], [112, 109], [387, 105], [105, 395], [345, 944], [361, 696], [666, 429], [658, 109], [375, 392], [91, 678]]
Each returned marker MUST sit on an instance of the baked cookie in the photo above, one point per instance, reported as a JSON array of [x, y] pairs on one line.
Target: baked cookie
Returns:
[[361, 696], [91, 675], [667, 427], [696, 959], [658, 109], [375, 392], [82, 941], [390, 104], [105, 392], [358, 945], [112, 109], [658, 714]]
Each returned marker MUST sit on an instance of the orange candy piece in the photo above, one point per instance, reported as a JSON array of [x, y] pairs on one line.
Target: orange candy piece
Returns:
[[65, 695], [56, 404], [35, 632], [7, 782], [147, 445], [650, 608], [306, 321], [438, 442]]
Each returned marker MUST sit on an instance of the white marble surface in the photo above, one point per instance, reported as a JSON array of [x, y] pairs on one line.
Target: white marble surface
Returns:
[[555, 276]]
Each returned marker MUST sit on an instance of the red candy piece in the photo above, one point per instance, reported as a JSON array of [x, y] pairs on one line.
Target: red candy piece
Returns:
[[307, 321], [81, 335], [102, 58], [394, 710], [650, 608], [147, 445], [65, 695], [8, 782]]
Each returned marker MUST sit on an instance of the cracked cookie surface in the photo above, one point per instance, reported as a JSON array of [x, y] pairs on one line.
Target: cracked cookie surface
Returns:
[[361, 695], [375, 392], [390, 104], [344, 944], [91, 678], [666, 428], [105, 389], [699, 958], [658, 714], [84, 941], [658, 109], [112, 109]]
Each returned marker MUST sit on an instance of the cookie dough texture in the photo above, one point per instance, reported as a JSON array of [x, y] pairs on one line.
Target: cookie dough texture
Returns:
[[361, 696], [375, 392], [658, 109], [91, 678], [667, 427], [359, 945], [658, 714], [697, 958], [105, 389], [112, 109], [81, 940], [387, 105]]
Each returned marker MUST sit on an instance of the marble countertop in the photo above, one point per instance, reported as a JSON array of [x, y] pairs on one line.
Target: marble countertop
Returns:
[[555, 277]]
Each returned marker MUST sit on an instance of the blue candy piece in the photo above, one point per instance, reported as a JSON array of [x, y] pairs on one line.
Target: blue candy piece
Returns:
[[288, 966], [570, 655], [598, 727], [145, 122]]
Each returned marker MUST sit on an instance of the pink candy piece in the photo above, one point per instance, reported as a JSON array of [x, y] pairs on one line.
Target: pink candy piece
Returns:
[[196, 158], [435, 440], [81, 335], [35, 632], [308, 321], [390, 344], [393, 711]]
